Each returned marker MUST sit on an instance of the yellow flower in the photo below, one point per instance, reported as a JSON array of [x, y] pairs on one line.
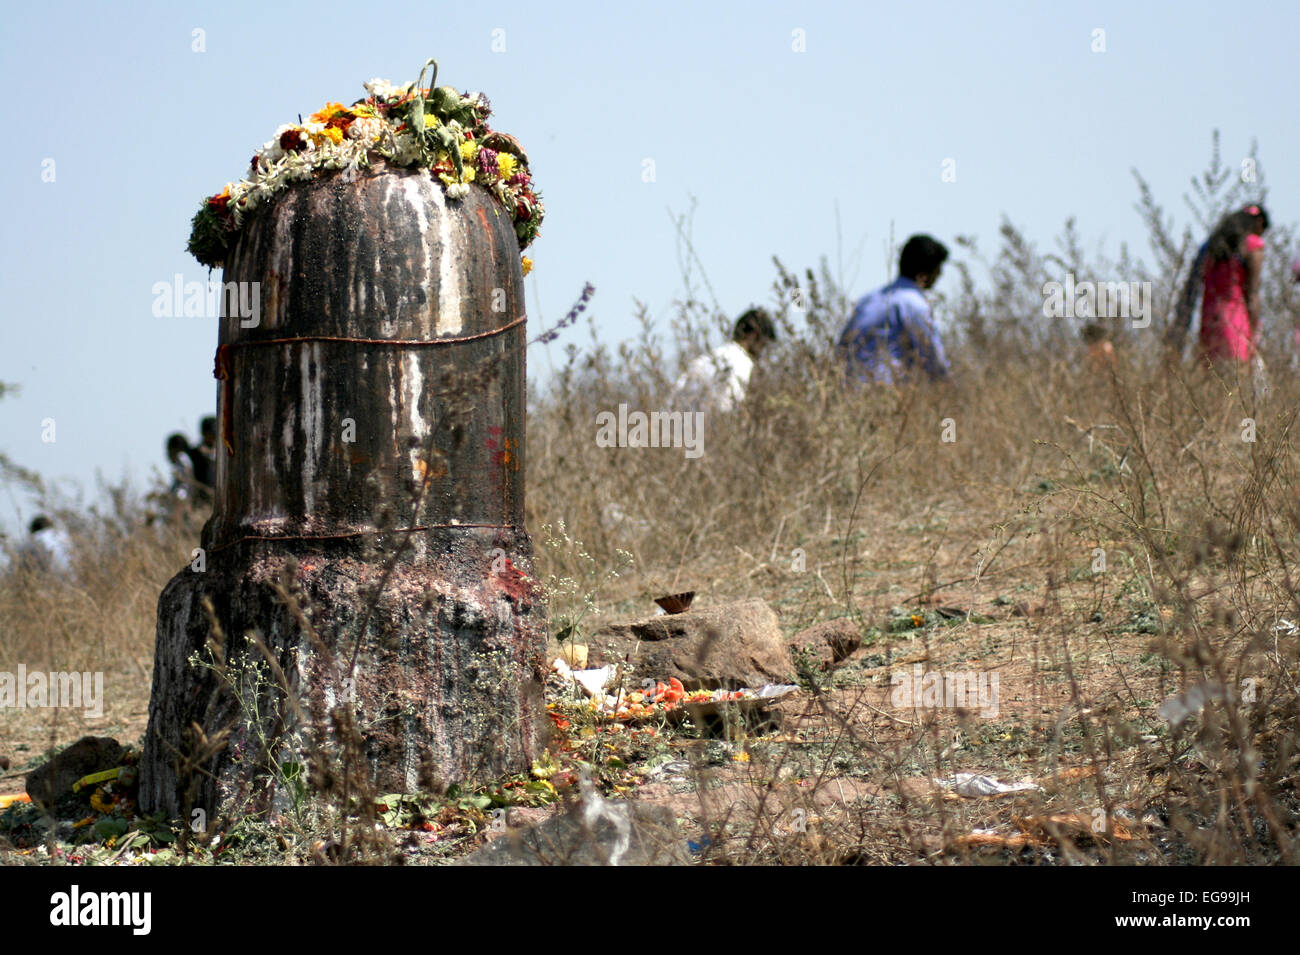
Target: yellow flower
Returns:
[[506, 164], [323, 116], [527, 263], [468, 175], [334, 135], [469, 150]]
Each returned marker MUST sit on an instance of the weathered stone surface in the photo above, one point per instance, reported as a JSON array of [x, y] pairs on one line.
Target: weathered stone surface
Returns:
[[345, 271], [90, 754], [447, 685], [594, 831], [724, 646], [828, 643], [371, 460]]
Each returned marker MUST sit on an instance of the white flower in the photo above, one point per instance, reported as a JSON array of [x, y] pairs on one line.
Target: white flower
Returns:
[[381, 89], [405, 149], [297, 168], [270, 152], [366, 129], [457, 190]]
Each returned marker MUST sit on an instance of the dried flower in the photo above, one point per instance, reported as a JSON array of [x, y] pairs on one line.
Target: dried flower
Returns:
[[342, 137]]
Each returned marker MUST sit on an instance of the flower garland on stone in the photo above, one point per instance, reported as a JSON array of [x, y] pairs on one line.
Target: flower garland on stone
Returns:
[[432, 127]]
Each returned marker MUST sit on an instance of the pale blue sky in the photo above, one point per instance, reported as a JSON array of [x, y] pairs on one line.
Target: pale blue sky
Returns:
[[768, 140]]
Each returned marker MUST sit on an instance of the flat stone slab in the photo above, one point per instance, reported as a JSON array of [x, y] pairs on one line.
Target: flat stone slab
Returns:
[[726, 646]]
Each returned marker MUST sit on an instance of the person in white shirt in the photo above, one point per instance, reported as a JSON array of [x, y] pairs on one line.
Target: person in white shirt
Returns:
[[49, 548], [719, 379]]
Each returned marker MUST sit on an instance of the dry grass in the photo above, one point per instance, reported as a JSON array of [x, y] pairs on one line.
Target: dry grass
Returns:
[[1110, 536]]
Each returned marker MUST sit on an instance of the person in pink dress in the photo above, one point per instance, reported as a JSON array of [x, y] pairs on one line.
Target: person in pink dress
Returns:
[[1226, 274], [1234, 255]]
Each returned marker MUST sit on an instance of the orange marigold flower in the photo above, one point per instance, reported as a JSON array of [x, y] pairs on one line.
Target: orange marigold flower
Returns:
[[324, 115]]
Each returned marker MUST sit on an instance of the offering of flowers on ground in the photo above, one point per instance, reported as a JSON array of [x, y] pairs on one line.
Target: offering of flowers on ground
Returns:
[[414, 126], [665, 698], [610, 697]]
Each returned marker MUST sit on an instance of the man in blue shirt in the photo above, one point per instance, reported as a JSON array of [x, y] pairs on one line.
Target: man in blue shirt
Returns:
[[892, 330]]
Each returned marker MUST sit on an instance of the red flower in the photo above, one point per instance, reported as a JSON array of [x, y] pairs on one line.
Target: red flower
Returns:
[[292, 141], [341, 121]]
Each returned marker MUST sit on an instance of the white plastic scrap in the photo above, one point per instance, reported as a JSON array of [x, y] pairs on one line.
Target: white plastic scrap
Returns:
[[592, 681], [973, 785], [595, 808], [1189, 702], [595, 681]]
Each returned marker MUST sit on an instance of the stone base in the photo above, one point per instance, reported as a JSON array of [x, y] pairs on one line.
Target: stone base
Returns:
[[447, 685]]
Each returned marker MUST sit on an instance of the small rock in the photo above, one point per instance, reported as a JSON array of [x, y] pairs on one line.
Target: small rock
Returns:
[[596, 831], [4, 763], [829, 643], [90, 754], [726, 646]]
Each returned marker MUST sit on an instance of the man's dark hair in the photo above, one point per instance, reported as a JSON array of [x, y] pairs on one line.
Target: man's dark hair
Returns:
[[39, 523], [921, 254], [177, 444], [755, 321], [208, 430], [1094, 332]]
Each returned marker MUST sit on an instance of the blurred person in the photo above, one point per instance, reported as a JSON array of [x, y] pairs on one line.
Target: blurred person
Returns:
[[1225, 275], [720, 379], [1295, 332], [48, 547], [892, 332], [1101, 350], [203, 457], [178, 456]]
